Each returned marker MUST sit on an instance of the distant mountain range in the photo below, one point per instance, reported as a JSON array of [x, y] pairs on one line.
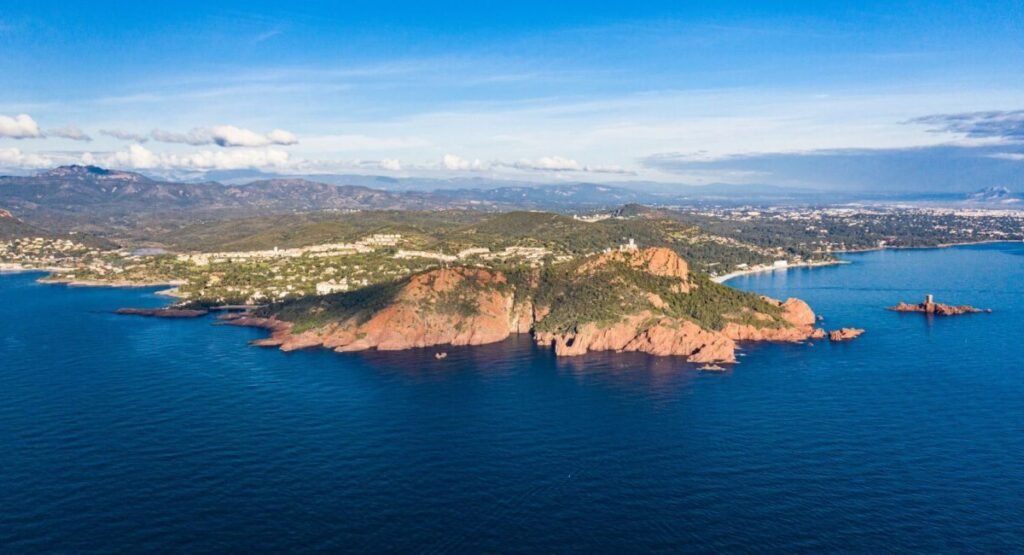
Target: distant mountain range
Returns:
[[67, 197], [994, 195], [89, 189], [90, 199], [11, 227], [94, 191]]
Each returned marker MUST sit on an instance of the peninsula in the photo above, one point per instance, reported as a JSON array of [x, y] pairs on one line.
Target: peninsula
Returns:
[[642, 300]]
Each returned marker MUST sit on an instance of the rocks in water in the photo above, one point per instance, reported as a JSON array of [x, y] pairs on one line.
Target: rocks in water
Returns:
[[929, 306], [844, 334], [712, 368], [163, 312]]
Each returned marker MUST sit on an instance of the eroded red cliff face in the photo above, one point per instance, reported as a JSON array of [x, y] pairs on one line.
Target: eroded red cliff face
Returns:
[[663, 336], [487, 310], [657, 261], [418, 317]]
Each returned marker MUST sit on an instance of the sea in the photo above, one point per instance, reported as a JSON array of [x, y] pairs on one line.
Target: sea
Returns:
[[129, 434]]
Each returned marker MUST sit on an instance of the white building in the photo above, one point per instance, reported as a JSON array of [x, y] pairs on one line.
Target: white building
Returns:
[[328, 287]]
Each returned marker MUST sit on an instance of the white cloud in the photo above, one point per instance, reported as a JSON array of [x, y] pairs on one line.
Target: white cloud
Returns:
[[387, 164], [225, 136], [457, 163], [233, 160], [139, 157], [136, 157], [282, 137], [21, 126], [15, 158], [553, 164], [71, 132], [391, 164], [549, 163], [124, 135], [560, 164], [195, 137], [1015, 156], [229, 135]]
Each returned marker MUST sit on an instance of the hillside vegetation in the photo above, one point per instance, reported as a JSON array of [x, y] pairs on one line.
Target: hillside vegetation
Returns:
[[451, 231]]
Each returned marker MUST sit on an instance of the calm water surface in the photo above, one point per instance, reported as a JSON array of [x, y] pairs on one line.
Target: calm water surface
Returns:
[[131, 434]]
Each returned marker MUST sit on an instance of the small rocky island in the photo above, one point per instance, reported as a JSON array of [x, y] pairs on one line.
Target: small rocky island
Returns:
[[844, 334], [643, 300], [929, 306]]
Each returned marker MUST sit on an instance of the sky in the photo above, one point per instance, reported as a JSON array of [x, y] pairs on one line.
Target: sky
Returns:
[[923, 96]]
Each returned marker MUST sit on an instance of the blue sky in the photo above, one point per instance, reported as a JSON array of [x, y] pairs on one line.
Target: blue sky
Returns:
[[792, 93]]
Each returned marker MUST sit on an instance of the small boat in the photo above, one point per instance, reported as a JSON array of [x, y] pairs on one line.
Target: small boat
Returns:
[[441, 355], [711, 368]]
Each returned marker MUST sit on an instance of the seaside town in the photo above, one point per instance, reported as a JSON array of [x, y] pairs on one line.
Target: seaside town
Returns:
[[850, 228], [773, 238]]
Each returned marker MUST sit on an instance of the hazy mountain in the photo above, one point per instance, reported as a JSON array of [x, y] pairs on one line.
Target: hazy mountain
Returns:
[[97, 191], [993, 195], [551, 196], [93, 191], [12, 228]]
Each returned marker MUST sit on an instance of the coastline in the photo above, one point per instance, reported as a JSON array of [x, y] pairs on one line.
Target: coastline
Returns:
[[939, 246], [173, 285], [762, 269], [52, 277], [15, 268]]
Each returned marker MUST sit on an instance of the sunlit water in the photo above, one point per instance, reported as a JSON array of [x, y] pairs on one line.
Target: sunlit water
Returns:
[[132, 434]]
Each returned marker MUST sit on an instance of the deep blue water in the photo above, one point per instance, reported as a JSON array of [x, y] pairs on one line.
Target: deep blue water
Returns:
[[131, 434]]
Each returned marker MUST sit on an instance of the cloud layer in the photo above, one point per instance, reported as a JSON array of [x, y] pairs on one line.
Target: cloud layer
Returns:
[[992, 124], [226, 136], [933, 169], [123, 135], [21, 126], [71, 132], [140, 158]]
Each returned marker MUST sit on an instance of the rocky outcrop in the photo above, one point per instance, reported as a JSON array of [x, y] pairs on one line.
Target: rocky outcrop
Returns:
[[162, 312], [938, 309], [795, 312], [645, 334], [844, 334], [474, 306], [666, 336], [657, 261], [418, 316]]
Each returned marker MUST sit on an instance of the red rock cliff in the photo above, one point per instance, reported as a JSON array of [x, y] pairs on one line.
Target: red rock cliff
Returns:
[[473, 306]]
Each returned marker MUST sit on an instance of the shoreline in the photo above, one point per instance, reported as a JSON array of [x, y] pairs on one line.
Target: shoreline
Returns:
[[762, 269], [939, 246], [740, 273], [52, 277], [15, 268], [173, 286]]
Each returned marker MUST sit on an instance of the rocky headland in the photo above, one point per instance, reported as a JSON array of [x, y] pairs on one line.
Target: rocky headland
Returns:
[[929, 306], [637, 300]]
